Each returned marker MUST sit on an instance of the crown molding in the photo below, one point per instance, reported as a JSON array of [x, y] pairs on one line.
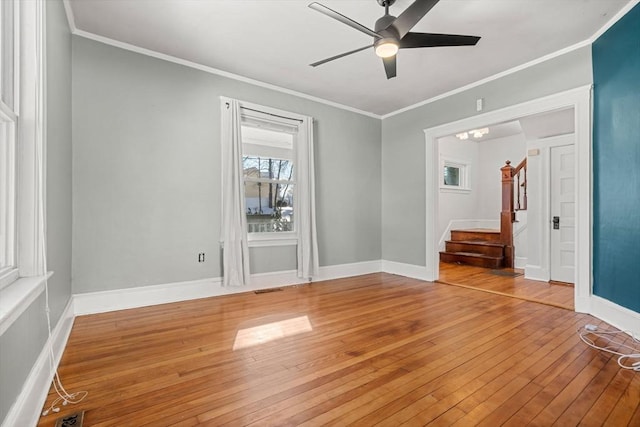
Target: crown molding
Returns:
[[490, 78], [542, 59], [616, 18], [211, 70], [70, 17]]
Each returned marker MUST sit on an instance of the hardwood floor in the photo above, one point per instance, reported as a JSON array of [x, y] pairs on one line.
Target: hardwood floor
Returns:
[[378, 349], [558, 294]]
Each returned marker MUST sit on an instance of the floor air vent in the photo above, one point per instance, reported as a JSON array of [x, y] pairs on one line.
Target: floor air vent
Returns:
[[71, 420], [266, 291]]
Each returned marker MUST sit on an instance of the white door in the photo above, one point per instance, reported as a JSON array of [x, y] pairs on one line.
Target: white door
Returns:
[[562, 221]]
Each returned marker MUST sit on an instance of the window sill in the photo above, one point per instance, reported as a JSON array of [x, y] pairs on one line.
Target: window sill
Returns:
[[261, 243], [17, 297], [285, 238], [454, 190]]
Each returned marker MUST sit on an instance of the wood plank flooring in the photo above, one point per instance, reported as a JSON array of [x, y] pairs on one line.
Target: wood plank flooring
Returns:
[[558, 294], [382, 350]]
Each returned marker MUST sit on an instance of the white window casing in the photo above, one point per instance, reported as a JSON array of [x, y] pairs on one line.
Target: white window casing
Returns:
[[455, 175], [28, 277]]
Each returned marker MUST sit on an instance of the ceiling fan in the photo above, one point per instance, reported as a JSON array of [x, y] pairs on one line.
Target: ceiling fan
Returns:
[[391, 33]]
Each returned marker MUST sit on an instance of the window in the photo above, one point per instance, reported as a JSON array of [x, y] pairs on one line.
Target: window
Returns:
[[268, 188], [8, 160], [455, 175], [268, 160]]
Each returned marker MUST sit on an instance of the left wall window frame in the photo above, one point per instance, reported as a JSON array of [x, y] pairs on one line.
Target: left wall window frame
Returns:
[[9, 73]]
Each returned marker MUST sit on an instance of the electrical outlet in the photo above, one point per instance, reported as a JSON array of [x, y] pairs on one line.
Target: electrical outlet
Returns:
[[201, 257]]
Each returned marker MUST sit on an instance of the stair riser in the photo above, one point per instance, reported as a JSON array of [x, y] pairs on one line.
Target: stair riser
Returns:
[[472, 235], [495, 251], [478, 262]]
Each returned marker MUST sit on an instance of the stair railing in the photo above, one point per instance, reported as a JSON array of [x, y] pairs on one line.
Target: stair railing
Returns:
[[509, 205]]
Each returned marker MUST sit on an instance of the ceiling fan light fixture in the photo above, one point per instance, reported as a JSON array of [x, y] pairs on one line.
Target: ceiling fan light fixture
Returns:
[[386, 48]]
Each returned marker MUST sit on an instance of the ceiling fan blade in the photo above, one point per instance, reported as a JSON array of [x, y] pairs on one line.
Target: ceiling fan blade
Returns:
[[390, 66], [324, 61], [410, 17], [339, 17], [412, 40]]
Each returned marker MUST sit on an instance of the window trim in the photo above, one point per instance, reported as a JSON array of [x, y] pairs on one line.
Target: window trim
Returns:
[[465, 175], [8, 272], [30, 223], [282, 121]]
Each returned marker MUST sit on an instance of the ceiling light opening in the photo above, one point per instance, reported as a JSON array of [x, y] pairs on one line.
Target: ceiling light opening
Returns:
[[476, 133], [479, 133]]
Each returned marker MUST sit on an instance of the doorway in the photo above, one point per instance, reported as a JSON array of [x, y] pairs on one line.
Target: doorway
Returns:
[[562, 248], [579, 100]]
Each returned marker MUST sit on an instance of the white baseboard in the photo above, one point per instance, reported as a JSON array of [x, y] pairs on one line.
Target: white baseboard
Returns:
[[407, 270], [520, 262], [614, 314], [28, 406], [535, 272], [122, 299], [347, 270]]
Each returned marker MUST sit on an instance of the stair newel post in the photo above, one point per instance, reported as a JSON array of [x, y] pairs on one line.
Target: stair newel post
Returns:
[[507, 215]]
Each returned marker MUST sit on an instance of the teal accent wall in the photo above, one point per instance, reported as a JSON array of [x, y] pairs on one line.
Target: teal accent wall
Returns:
[[616, 163]]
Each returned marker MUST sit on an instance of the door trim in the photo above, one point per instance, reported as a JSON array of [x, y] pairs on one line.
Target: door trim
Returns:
[[538, 265], [578, 98]]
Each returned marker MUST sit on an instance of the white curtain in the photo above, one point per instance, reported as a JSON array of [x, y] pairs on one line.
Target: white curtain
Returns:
[[235, 259], [308, 266]]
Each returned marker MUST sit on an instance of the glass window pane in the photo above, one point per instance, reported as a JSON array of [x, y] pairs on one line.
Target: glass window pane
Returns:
[[269, 207], [267, 168], [7, 52], [452, 176], [7, 193]]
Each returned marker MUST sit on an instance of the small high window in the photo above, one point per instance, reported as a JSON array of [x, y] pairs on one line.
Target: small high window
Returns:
[[454, 175]]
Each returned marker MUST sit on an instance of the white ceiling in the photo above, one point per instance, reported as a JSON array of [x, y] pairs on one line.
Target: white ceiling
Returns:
[[274, 41]]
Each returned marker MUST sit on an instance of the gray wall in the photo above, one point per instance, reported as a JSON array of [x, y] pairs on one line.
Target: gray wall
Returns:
[[21, 344], [146, 172], [59, 216], [403, 144]]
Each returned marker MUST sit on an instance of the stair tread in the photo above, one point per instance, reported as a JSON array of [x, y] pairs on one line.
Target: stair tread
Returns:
[[476, 242], [479, 230], [471, 254]]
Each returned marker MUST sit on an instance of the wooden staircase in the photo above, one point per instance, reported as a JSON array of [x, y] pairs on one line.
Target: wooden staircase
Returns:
[[480, 247], [492, 248]]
